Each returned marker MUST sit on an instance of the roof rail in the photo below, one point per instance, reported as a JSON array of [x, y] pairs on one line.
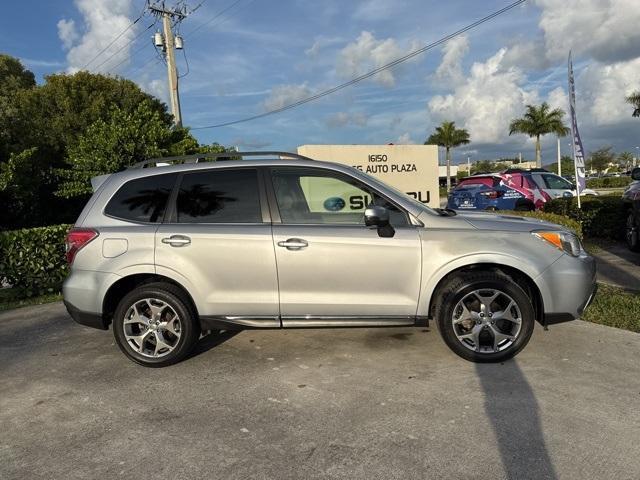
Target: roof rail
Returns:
[[212, 156]]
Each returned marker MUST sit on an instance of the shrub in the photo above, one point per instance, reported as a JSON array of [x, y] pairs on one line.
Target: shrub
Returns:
[[608, 182], [32, 259], [563, 220], [601, 216]]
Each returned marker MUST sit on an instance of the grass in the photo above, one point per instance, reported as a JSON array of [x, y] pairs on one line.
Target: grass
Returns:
[[9, 300], [615, 307]]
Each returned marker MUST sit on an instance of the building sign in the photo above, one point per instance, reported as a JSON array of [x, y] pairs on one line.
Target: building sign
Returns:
[[412, 169]]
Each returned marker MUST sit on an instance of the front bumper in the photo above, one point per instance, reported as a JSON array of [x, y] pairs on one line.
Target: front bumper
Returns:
[[568, 287]]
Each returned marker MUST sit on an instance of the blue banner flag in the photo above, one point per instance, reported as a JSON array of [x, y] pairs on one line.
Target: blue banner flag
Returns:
[[578, 151]]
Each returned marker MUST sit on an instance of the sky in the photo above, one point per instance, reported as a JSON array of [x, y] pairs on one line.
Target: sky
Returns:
[[246, 57]]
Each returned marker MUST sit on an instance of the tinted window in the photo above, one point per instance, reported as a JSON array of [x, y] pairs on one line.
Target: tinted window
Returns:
[[316, 197], [219, 196], [142, 200], [557, 183]]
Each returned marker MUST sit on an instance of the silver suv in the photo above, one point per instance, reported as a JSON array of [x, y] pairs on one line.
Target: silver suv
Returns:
[[168, 253]]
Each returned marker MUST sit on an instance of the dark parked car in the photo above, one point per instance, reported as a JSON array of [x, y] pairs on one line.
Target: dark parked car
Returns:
[[631, 198]]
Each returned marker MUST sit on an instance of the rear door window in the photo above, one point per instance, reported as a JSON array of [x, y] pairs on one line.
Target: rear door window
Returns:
[[143, 199], [219, 196]]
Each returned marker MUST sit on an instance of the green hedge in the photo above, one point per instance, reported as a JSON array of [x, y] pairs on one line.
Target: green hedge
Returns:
[[609, 182], [32, 259], [563, 220], [602, 216]]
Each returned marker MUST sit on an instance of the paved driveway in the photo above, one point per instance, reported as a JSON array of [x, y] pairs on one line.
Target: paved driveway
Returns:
[[355, 404]]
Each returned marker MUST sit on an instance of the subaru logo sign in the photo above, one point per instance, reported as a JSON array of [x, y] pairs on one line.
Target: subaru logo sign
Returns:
[[334, 204]]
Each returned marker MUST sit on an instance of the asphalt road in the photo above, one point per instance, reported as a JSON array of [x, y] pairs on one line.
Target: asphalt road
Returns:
[[354, 404]]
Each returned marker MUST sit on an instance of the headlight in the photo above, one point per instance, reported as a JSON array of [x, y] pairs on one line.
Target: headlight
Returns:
[[565, 241]]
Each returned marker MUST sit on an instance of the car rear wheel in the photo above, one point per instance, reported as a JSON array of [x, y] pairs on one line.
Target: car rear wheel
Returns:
[[633, 233], [485, 316], [155, 326]]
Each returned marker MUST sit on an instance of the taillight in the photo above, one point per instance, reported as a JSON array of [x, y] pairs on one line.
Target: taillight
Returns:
[[491, 194], [76, 239]]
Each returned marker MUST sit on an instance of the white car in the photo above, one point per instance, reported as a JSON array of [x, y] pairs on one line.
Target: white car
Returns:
[[556, 186]]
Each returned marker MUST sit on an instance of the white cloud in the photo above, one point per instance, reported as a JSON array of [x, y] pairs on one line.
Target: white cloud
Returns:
[[366, 54], [103, 21], [405, 139], [372, 10], [320, 43], [601, 90], [67, 32], [343, 119], [450, 69], [486, 102], [283, 95], [527, 55], [607, 30]]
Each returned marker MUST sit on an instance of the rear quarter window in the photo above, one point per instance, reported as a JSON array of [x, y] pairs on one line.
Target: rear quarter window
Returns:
[[143, 199]]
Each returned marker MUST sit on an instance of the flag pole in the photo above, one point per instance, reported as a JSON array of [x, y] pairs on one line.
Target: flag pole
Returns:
[[575, 136]]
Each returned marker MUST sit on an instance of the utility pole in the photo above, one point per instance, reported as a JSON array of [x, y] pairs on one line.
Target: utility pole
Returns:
[[169, 45]]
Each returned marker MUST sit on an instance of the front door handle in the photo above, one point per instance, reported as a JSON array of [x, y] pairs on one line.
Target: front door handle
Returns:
[[293, 244], [177, 240]]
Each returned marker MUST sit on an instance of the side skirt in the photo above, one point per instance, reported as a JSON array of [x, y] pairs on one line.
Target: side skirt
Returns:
[[308, 321]]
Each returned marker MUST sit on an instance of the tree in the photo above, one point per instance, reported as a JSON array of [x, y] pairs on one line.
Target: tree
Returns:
[[601, 158], [448, 136], [625, 159], [45, 139], [537, 122], [124, 138], [634, 100]]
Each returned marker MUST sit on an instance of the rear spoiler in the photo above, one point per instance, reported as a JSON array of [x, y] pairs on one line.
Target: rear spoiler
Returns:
[[97, 181]]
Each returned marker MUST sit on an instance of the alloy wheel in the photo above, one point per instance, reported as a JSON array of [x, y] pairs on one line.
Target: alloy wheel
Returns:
[[152, 328], [487, 321]]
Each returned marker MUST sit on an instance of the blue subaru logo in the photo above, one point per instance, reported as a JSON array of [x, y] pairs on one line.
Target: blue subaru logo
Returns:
[[334, 204]]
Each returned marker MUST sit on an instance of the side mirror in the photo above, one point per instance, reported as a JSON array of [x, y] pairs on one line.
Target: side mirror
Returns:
[[635, 173], [567, 194], [377, 216]]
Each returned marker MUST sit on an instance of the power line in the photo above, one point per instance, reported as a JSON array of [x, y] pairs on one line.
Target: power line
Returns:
[[135, 39], [217, 15], [372, 72], [114, 40]]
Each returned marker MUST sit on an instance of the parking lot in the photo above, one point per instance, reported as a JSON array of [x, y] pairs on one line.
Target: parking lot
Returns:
[[340, 403]]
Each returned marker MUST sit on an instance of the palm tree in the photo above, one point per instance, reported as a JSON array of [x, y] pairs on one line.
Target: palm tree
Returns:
[[634, 99], [538, 121], [448, 136]]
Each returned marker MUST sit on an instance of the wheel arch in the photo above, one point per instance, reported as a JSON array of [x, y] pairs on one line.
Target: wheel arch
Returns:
[[118, 289], [521, 278]]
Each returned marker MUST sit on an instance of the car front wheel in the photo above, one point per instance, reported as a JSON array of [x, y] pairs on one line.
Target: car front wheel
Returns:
[[485, 316], [154, 325]]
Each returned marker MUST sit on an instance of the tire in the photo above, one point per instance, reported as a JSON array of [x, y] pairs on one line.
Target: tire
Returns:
[[479, 325], [155, 326], [633, 232]]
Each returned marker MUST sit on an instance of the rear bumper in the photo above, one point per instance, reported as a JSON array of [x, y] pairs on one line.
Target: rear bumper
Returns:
[[570, 284], [88, 319]]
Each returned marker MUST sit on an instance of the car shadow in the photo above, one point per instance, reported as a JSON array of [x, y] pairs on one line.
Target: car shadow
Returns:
[[212, 340], [513, 412]]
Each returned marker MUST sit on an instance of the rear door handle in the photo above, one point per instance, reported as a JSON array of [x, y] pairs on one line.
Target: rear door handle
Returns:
[[293, 244], [177, 240]]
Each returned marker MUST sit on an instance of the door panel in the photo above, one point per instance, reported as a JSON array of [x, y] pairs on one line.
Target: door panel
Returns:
[[348, 271], [220, 242], [231, 267]]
